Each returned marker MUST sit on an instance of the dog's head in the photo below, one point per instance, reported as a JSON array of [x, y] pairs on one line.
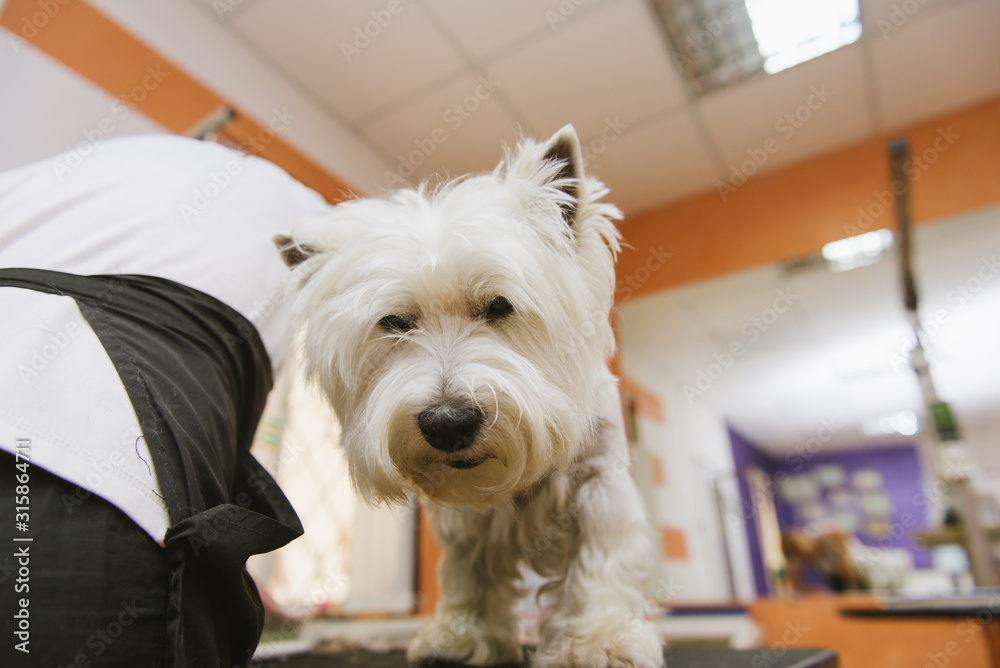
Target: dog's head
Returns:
[[460, 332]]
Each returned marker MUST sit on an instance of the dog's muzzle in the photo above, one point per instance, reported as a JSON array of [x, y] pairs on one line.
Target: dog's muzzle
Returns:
[[451, 428]]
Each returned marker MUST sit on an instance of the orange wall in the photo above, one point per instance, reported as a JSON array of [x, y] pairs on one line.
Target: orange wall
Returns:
[[866, 642], [428, 556], [793, 212]]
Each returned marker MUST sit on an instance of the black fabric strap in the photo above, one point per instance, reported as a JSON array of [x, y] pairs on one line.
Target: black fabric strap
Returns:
[[197, 375]]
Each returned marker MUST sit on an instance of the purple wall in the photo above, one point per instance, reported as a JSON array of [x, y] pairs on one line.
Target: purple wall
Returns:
[[903, 477], [746, 454], [901, 471]]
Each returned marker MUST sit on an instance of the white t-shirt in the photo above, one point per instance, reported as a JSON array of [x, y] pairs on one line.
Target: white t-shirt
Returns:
[[193, 212]]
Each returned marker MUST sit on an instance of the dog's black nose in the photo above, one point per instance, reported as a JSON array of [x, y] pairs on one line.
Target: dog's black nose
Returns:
[[450, 427]]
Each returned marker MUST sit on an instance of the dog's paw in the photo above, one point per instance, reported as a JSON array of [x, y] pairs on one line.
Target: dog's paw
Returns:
[[614, 648], [465, 639]]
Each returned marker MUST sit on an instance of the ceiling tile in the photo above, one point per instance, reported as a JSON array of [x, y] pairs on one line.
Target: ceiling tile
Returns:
[[882, 17], [486, 26], [399, 54], [650, 164], [607, 63], [454, 130], [771, 121], [946, 61]]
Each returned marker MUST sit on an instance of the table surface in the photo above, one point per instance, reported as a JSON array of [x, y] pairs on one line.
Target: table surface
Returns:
[[676, 657], [944, 607]]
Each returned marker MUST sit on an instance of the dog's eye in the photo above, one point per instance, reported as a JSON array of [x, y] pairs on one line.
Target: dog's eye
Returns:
[[499, 308], [396, 323]]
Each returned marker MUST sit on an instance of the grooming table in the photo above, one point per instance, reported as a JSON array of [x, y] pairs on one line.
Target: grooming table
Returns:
[[677, 657]]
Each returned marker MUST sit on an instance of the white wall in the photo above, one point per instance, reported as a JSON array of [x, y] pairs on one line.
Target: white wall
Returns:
[[382, 567], [47, 108], [693, 445]]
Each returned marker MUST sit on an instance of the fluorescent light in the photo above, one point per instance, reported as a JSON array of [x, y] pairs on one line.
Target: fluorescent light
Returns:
[[715, 43], [902, 422], [859, 251], [790, 32]]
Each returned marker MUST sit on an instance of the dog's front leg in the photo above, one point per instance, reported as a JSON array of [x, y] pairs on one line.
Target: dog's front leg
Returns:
[[597, 617], [478, 580]]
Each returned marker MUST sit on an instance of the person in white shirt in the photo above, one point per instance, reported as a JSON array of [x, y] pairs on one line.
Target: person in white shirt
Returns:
[[144, 315]]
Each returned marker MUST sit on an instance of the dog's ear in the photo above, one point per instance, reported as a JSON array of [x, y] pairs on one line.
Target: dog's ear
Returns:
[[292, 252], [564, 148]]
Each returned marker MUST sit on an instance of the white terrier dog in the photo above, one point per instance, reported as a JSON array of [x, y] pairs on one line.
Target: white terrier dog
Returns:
[[462, 335]]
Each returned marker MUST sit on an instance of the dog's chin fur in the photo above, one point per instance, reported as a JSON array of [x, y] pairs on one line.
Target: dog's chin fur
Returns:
[[434, 259]]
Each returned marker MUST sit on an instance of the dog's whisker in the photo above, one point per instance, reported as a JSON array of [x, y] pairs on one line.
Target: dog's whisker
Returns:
[[496, 405], [471, 390], [520, 416]]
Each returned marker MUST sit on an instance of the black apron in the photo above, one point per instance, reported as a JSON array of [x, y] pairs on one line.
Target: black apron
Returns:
[[197, 375]]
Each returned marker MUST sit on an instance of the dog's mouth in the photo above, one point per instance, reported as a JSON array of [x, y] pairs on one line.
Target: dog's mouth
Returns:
[[465, 463]]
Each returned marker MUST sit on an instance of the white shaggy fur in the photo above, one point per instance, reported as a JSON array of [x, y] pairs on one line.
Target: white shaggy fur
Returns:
[[405, 301]]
